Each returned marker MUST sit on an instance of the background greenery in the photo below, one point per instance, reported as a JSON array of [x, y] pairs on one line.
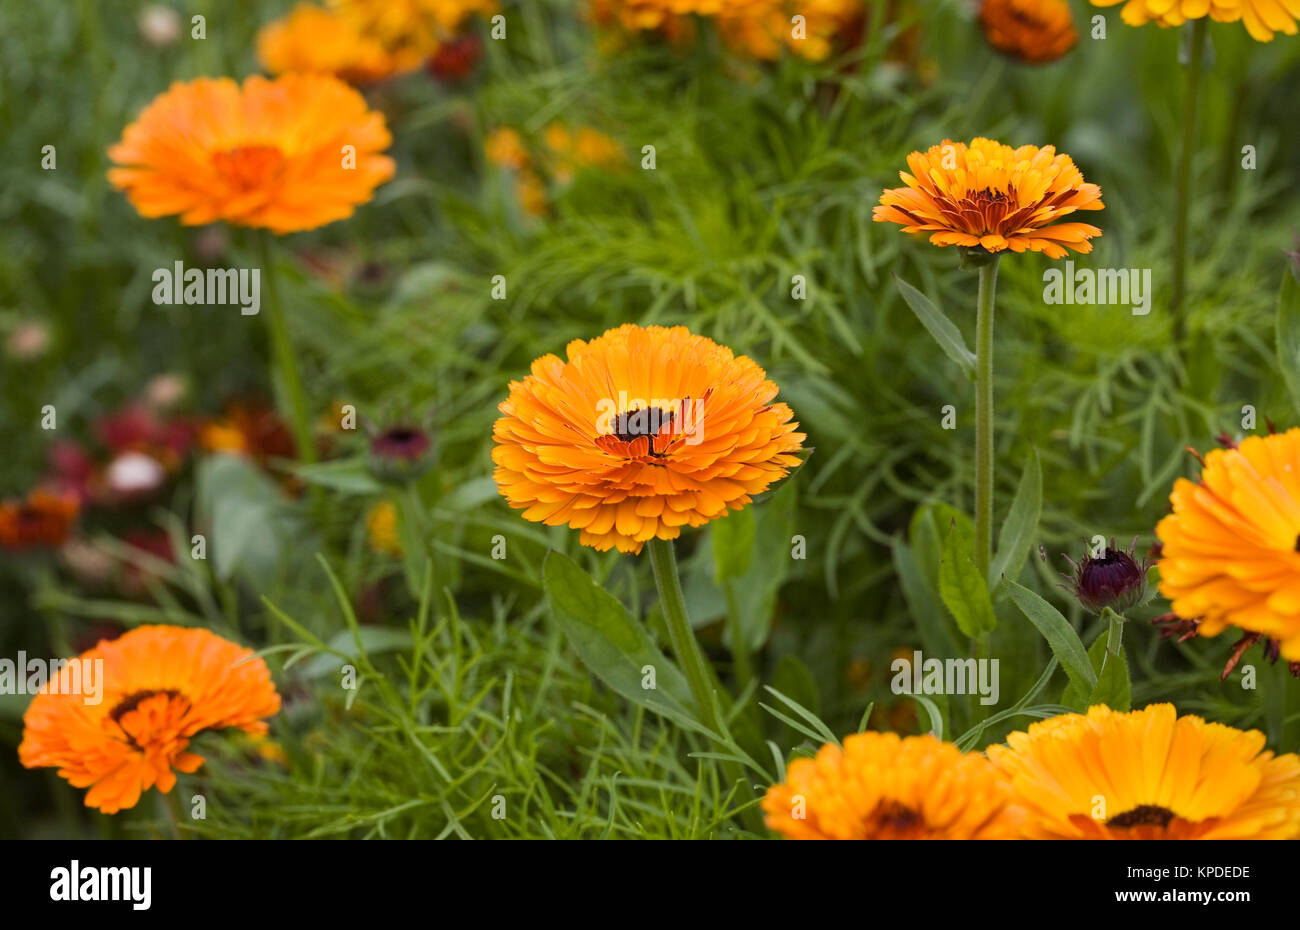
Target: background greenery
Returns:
[[470, 689]]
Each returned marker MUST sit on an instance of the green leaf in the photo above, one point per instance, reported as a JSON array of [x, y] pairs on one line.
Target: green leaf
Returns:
[[373, 641], [1112, 687], [756, 589], [923, 602], [251, 523], [794, 679], [613, 646], [347, 476], [1060, 636], [936, 716], [939, 326], [1016, 538], [965, 593], [733, 545], [1288, 334]]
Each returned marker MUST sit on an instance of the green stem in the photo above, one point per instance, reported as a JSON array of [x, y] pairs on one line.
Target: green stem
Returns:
[[984, 418], [1183, 190], [664, 562], [1114, 636], [286, 363], [172, 805], [663, 559]]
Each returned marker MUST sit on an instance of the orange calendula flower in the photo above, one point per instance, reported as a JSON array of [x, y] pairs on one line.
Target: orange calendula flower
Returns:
[[1262, 18], [44, 518], [1149, 774], [759, 29], [1034, 31], [288, 154], [993, 196], [315, 41], [884, 787], [1230, 551], [642, 431], [158, 687], [414, 26]]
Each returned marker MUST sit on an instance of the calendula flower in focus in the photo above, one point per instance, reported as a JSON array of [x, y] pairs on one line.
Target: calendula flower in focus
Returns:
[[1149, 774], [1262, 18], [640, 432], [880, 786], [269, 153], [161, 687], [993, 196], [1230, 551], [44, 518], [381, 529], [1033, 31], [313, 40]]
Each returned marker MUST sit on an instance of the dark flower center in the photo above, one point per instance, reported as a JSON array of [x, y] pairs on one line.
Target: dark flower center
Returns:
[[1144, 815], [135, 699], [641, 421], [1114, 572]]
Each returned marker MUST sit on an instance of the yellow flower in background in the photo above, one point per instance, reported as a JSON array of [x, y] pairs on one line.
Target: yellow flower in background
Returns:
[[1230, 551], [505, 149], [991, 195], [881, 786], [264, 154], [381, 529], [1262, 18], [316, 41], [642, 431], [759, 29], [584, 147], [1149, 774], [1034, 31], [412, 28]]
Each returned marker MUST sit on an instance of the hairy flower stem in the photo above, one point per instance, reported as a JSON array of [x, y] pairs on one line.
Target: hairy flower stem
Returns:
[[984, 418], [1183, 190], [663, 559], [286, 362], [1114, 637]]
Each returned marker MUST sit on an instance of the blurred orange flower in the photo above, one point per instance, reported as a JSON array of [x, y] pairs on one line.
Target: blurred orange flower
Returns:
[[315, 41], [288, 154], [1034, 31], [161, 686], [44, 518]]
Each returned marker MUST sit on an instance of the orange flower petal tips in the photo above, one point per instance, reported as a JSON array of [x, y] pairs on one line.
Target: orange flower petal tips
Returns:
[[992, 196]]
